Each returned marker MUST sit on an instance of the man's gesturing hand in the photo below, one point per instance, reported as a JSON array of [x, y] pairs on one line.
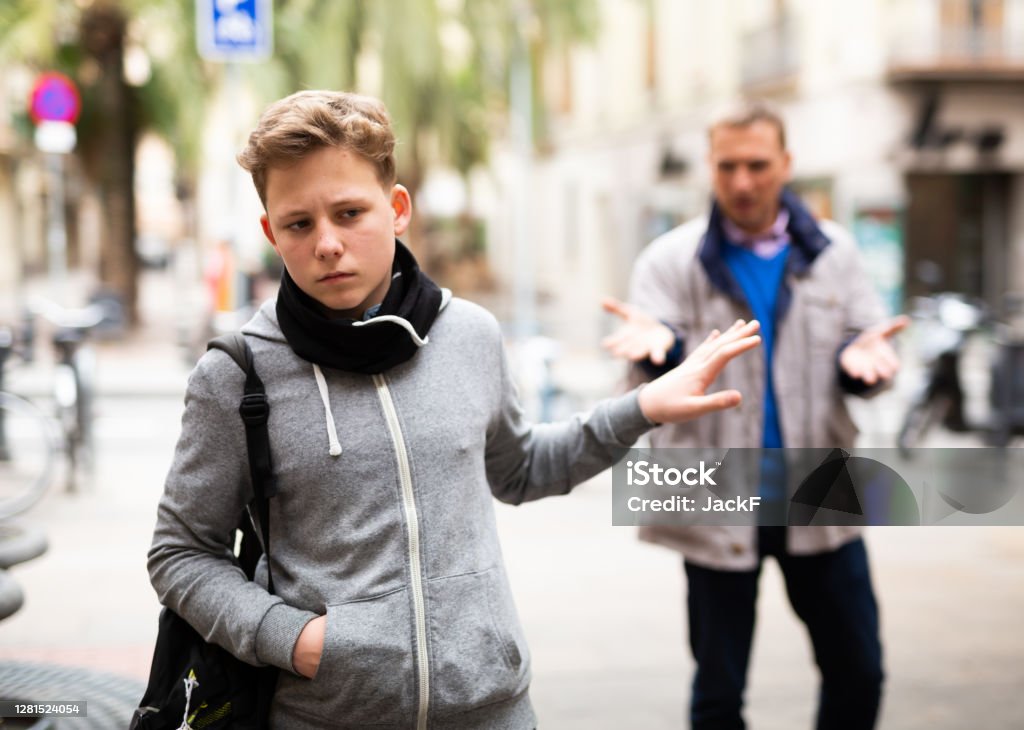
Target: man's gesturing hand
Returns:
[[871, 357], [679, 394], [640, 336]]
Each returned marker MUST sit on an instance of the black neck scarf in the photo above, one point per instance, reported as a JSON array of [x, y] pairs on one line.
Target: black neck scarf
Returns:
[[370, 348]]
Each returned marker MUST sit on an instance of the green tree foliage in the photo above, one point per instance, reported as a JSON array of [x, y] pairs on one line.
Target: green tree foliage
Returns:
[[441, 66]]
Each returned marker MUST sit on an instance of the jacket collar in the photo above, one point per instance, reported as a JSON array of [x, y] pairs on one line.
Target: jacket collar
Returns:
[[806, 243]]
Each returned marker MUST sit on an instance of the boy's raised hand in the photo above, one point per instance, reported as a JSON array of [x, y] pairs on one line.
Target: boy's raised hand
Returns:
[[679, 394], [640, 337]]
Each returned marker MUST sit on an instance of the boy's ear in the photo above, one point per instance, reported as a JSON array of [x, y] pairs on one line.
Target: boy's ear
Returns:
[[265, 222], [401, 206]]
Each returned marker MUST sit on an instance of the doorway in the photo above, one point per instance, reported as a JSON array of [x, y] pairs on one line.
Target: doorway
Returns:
[[959, 222]]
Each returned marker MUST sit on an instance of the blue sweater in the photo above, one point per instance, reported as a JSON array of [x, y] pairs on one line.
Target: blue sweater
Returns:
[[760, 280]]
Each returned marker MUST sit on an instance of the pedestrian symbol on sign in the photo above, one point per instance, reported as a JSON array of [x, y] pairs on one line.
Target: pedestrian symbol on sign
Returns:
[[234, 30], [233, 25]]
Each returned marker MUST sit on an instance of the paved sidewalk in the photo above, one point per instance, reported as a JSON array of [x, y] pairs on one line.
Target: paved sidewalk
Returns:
[[602, 611]]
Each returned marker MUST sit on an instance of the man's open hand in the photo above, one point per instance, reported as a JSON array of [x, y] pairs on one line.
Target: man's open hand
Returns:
[[640, 337], [871, 357]]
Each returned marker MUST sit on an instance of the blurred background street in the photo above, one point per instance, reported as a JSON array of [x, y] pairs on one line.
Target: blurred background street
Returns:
[[545, 143]]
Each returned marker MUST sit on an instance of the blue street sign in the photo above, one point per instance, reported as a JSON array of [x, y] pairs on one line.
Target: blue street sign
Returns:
[[234, 30]]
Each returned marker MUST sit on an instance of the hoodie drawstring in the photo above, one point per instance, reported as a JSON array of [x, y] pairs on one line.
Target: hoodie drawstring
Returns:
[[321, 382], [332, 433]]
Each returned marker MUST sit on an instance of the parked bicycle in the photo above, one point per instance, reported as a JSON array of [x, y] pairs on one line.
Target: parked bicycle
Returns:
[[28, 438], [28, 448], [73, 382]]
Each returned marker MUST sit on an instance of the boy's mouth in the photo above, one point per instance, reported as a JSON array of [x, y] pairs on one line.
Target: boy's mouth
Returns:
[[336, 276]]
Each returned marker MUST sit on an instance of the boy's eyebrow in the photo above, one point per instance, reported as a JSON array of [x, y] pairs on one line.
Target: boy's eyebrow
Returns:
[[340, 202]]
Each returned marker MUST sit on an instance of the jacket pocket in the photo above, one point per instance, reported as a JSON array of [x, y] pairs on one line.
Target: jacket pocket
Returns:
[[367, 674], [477, 649]]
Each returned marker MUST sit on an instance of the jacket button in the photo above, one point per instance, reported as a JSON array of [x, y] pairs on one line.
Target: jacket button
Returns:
[[737, 548]]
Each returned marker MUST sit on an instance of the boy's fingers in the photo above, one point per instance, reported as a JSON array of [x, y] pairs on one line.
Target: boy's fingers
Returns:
[[730, 350], [706, 344], [740, 330], [704, 404]]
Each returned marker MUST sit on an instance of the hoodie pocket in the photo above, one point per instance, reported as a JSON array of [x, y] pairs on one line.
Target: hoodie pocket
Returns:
[[367, 675], [478, 655]]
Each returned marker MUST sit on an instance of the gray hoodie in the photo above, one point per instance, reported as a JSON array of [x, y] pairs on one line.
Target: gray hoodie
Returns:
[[383, 522]]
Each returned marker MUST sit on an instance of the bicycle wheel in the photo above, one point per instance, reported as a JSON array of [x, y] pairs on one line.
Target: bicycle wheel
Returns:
[[27, 449], [68, 397], [85, 372]]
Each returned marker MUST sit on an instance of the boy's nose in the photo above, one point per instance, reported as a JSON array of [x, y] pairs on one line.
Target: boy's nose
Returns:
[[328, 245]]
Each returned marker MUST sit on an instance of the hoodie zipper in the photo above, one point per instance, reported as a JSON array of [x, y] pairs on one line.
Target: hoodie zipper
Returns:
[[412, 526]]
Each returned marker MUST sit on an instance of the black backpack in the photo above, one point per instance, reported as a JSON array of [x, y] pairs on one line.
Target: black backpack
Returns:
[[192, 683]]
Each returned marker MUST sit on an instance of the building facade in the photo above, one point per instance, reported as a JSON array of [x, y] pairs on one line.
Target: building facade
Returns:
[[905, 119]]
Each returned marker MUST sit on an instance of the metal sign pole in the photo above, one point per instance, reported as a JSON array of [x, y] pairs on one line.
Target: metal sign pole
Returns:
[[56, 228]]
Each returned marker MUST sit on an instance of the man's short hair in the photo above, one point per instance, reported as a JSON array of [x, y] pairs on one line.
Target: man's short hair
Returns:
[[293, 127], [747, 112]]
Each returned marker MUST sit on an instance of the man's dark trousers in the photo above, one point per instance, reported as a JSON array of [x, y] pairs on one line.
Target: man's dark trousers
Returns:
[[830, 592]]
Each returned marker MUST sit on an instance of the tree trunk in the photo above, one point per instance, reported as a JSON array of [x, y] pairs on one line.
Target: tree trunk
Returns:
[[113, 151]]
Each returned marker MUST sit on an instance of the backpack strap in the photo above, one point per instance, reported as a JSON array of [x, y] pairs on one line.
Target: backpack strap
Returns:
[[254, 410]]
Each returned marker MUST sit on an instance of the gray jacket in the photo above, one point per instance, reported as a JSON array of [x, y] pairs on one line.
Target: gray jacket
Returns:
[[831, 302], [394, 538]]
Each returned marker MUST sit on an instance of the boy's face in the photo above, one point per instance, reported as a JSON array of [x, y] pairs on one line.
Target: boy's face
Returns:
[[334, 227]]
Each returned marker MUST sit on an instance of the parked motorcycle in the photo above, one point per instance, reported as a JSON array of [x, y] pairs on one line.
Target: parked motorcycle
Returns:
[[1006, 396], [944, 323]]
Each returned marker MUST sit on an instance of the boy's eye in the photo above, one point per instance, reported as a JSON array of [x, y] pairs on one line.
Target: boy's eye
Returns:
[[298, 225], [351, 213]]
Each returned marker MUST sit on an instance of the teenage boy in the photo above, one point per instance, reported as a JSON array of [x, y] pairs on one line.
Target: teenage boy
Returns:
[[393, 420]]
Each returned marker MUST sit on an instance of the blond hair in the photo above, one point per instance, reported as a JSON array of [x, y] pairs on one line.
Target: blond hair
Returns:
[[748, 112], [293, 127]]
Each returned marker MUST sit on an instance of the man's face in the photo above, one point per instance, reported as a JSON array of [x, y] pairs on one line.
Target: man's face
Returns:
[[749, 168], [334, 226]]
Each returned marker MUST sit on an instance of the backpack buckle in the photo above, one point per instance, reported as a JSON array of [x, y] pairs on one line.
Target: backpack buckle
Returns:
[[254, 409]]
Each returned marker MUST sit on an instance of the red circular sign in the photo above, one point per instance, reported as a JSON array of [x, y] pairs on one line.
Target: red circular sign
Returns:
[[55, 99]]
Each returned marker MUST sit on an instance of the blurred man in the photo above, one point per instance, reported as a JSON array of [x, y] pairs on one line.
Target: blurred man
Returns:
[[761, 254]]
